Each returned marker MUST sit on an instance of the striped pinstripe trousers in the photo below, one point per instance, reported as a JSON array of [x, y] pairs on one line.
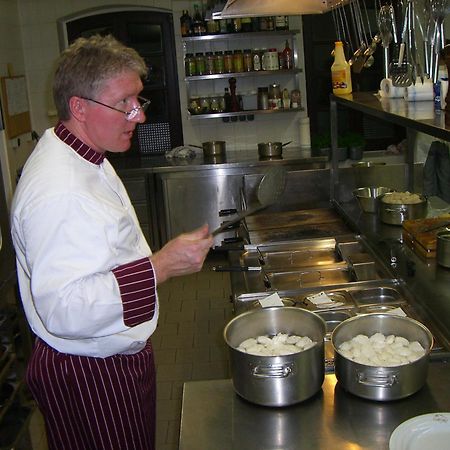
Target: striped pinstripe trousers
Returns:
[[95, 403]]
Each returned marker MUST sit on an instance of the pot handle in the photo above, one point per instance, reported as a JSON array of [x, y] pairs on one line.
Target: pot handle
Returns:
[[400, 210], [273, 371], [377, 379]]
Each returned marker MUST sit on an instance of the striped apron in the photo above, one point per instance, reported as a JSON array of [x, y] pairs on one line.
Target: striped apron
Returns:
[[95, 403]]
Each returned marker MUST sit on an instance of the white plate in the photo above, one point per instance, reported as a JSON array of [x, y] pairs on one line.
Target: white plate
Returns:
[[426, 432]]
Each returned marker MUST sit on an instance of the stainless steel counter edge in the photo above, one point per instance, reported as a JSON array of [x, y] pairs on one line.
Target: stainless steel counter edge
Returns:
[[137, 165], [214, 417]]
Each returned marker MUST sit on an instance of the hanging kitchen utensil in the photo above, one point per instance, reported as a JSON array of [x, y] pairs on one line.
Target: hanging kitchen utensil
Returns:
[[269, 191], [385, 27]]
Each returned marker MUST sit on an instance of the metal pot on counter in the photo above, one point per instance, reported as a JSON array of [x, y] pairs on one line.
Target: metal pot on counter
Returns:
[[276, 380], [381, 382], [270, 149], [396, 213], [212, 148]]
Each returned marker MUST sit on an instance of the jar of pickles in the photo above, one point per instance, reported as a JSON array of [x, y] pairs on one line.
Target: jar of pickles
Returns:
[[238, 61], [228, 61], [219, 65], [189, 65], [200, 63]]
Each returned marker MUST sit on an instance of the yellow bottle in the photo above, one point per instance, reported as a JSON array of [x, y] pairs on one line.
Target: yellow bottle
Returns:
[[340, 72]]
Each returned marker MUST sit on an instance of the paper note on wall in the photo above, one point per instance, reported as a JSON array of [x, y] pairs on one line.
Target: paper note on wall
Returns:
[[16, 93]]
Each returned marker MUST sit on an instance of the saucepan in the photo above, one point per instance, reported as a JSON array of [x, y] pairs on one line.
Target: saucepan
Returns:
[[269, 191], [271, 148], [212, 148]]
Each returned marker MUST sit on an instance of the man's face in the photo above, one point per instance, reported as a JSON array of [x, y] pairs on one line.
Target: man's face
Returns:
[[105, 128]]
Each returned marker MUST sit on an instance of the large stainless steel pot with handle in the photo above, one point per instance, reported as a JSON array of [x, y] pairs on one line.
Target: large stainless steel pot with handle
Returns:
[[396, 213], [276, 380], [381, 382]]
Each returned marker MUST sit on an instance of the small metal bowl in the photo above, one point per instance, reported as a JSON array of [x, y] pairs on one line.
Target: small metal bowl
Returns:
[[443, 248], [368, 197]]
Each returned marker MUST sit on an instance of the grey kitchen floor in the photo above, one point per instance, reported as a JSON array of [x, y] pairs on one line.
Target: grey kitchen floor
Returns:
[[188, 345]]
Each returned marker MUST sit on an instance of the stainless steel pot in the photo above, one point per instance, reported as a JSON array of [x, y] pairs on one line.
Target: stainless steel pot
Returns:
[[396, 213], [212, 148], [443, 248], [381, 383], [276, 380], [271, 148]]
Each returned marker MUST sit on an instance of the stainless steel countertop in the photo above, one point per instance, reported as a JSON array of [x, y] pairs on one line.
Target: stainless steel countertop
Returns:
[[233, 159], [214, 417]]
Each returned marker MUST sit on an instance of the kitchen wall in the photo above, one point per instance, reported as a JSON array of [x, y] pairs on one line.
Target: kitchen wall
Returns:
[[31, 45]]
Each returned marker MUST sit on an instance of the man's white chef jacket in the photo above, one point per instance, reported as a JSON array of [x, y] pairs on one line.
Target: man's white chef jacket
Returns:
[[85, 278]]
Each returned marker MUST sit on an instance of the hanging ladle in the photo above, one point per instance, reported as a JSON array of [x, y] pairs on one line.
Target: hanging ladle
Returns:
[[269, 191]]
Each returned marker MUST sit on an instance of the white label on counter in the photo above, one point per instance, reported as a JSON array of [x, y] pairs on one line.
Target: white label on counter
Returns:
[[271, 300]]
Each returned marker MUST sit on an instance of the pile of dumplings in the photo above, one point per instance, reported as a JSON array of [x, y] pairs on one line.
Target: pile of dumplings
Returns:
[[278, 345], [381, 350], [401, 198]]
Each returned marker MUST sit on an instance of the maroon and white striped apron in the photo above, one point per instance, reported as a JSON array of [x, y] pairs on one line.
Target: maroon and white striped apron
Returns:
[[95, 403]]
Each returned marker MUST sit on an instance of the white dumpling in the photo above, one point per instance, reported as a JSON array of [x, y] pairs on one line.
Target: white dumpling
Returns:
[[264, 340], [248, 343]]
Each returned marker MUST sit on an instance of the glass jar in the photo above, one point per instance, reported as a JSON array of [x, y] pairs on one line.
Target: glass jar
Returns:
[[256, 59], [194, 105], [237, 25], [212, 26], [189, 65], [223, 26], [248, 60], [296, 98], [200, 64], [219, 65], [214, 104], [228, 61], [204, 105], [274, 96], [209, 63], [238, 61], [263, 98]]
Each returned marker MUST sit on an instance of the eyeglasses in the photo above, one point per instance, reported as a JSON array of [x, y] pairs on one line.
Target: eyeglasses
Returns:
[[132, 113]]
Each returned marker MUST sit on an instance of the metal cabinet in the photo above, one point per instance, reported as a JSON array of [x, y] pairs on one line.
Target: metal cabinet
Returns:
[[190, 199]]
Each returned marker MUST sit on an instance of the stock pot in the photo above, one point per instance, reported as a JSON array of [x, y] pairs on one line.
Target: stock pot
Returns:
[[276, 380], [396, 213], [212, 148], [379, 382], [271, 148]]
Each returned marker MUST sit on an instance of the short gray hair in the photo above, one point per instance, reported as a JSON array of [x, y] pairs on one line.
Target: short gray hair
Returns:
[[86, 64]]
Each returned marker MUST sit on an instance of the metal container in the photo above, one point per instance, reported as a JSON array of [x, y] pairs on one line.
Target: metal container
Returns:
[[269, 149], [443, 248], [396, 213], [379, 382], [368, 197], [212, 148], [276, 380]]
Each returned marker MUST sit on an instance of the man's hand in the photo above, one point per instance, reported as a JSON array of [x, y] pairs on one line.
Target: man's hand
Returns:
[[182, 255]]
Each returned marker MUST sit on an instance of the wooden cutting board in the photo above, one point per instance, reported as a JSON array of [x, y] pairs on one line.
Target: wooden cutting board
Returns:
[[287, 219], [419, 238]]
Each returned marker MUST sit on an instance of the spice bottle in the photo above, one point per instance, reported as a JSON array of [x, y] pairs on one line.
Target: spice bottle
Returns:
[[200, 64], [340, 72], [248, 60], [257, 59], [288, 58], [209, 63], [238, 61], [185, 23], [219, 65], [228, 61], [189, 65], [274, 96], [263, 98]]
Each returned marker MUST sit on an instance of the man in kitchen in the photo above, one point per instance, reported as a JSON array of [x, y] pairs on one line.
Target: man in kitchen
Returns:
[[87, 276]]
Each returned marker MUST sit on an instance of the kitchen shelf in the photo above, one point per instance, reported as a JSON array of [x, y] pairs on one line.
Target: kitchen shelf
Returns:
[[249, 112], [253, 73], [245, 35]]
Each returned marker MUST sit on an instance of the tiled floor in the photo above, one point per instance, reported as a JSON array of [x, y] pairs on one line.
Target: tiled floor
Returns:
[[188, 346]]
